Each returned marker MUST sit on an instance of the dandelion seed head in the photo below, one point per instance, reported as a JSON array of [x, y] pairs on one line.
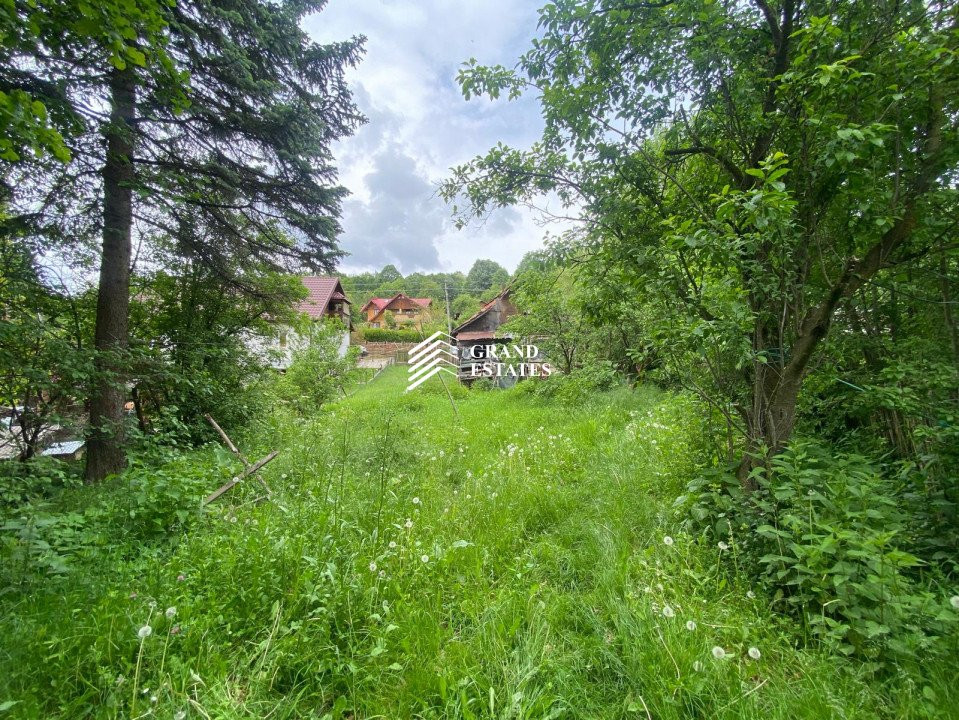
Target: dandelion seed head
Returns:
[[723, 546], [425, 558], [170, 612], [416, 501], [153, 698], [754, 653], [690, 625], [751, 595], [668, 612], [718, 653], [144, 632], [668, 541], [954, 601], [392, 544], [372, 567], [181, 577], [409, 523]]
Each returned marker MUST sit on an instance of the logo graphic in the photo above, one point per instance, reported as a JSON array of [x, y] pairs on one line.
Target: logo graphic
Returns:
[[431, 357]]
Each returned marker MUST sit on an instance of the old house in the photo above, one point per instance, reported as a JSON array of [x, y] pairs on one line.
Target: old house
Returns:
[[481, 331], [403, 309]]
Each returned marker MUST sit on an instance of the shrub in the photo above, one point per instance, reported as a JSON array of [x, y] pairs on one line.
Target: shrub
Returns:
[[390, 335], [316, 373], [580, 384], [827, 533]]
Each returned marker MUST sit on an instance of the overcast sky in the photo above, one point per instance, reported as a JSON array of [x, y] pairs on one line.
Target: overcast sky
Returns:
[[420, 126]]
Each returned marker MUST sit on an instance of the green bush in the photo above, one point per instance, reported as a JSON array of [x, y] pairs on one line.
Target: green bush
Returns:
[[389, 335], [316, 373], [827, 533], [580, 384]]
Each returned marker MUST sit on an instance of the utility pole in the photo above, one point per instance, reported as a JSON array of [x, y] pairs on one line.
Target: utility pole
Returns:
[[449, 320]]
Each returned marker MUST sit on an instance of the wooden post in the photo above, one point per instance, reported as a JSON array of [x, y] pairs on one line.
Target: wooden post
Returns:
[[249, 470], [246, 473]]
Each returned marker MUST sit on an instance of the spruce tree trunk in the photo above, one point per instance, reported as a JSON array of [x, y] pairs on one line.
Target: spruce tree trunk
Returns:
[[105, 440]]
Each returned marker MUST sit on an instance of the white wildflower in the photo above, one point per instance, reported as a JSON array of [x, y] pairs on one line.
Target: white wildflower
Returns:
[[751, 595], [392, 544], [416, 501], [153, 698], [719, 653], [144, 632], [409, 523], [954, 601], [372, 567], [668, 612], [754, 653], [180, 715], [170, 613], [667, 540], [425, 558], [723, 546], [690, 625]]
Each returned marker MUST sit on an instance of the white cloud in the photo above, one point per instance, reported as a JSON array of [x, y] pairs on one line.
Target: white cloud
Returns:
[[420, 126]]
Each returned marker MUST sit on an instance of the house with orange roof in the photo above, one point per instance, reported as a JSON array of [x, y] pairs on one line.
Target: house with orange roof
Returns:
[[404, 310]]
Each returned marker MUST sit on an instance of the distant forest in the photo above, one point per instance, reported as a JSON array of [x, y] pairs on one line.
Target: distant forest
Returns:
[[466, 290]]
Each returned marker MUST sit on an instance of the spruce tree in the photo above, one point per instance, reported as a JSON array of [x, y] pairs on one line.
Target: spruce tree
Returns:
[[226, 132]]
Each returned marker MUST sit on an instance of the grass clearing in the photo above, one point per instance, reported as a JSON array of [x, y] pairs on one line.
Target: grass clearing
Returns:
[[520, 560]]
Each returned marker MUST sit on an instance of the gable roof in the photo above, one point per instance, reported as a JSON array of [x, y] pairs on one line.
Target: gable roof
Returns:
[[382, 304], [500, 302], [321, 291]]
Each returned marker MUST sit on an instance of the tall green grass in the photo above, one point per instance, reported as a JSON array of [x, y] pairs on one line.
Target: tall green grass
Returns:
[[516, 558]]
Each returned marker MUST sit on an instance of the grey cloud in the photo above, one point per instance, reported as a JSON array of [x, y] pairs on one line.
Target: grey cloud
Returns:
[[401, 221]]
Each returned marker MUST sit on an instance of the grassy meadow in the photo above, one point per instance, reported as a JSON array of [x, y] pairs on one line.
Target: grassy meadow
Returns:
[[522, 558]]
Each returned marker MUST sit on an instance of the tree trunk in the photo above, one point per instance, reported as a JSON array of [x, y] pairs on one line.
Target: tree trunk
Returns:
[[105, 439], [771, 418]]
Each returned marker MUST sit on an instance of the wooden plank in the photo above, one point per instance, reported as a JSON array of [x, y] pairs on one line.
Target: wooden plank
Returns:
[[226, 439], [226, 487]]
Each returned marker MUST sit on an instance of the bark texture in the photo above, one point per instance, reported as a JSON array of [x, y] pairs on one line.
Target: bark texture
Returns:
[[106, 453]]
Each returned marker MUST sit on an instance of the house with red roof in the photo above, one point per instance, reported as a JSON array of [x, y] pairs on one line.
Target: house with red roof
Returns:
[[326, 299], [404, 310]]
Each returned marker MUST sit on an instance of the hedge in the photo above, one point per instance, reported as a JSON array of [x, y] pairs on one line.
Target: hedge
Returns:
[[390, 335]]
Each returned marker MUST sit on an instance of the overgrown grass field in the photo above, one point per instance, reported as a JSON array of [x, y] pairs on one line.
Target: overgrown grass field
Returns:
[[519, 558]]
